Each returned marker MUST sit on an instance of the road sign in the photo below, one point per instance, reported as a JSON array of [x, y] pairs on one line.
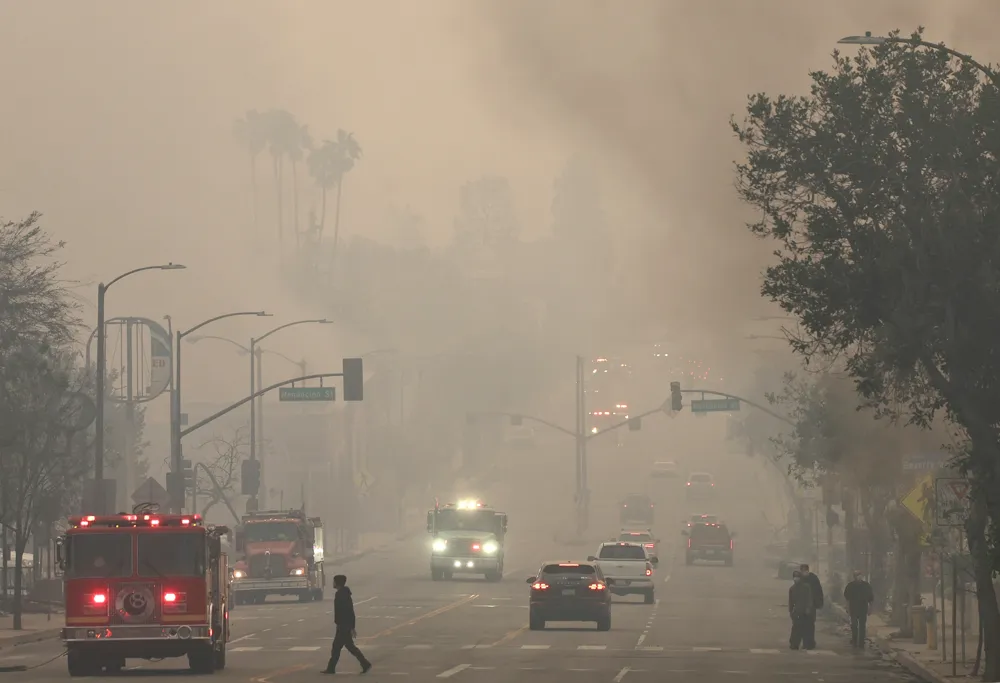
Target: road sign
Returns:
[[151, 491], [925, 462], [716, 405], [307, 394], [951, 496], [918, 500]]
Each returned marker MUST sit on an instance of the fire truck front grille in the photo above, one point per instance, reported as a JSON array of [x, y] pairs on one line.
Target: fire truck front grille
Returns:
[[266, 566], [135, 603]]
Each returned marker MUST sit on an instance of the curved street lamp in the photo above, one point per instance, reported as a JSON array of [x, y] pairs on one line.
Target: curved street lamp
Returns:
[[176, 456], [869, 39], [257, 405], [102, 289]]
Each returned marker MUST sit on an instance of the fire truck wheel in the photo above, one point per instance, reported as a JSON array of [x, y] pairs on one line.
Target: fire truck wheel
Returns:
[[305, 596], [318, 595], [201, 659], [436, 574], [80, 664], [220, 658]]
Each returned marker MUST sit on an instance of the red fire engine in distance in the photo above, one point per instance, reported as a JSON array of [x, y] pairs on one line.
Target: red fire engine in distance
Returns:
[[144, 586]]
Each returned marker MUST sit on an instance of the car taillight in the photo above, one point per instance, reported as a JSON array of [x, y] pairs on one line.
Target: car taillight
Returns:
[[689, 543], [649, 545], [475, 546], [539, 586], [596, 586], [689, 483], [649, 569]]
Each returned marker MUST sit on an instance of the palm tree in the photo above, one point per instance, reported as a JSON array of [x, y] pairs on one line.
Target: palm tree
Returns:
[[298, 143], [282, 134], [328, 164], [250, 132]]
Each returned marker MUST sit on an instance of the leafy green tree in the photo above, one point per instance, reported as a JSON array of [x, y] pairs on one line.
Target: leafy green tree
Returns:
[[879, 190]]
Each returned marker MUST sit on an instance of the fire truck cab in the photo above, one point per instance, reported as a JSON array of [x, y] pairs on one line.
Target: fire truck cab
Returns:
[[144, 586]]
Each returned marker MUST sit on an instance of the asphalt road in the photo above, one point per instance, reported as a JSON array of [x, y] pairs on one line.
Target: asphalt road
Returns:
[[709, 623]]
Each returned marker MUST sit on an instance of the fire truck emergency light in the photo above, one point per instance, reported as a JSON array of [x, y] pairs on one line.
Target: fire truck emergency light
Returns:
[[99, 598], [169, 597]]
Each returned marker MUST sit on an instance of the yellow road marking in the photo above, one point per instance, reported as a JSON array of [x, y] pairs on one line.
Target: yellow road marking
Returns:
[[266, 678], [411, 622], [510, 636]]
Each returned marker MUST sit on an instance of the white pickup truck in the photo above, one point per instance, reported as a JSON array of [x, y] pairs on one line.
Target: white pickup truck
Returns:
[[627, 569]]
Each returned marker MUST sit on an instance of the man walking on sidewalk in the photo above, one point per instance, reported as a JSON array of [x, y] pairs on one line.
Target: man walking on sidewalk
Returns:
[[801, 609], [859, 597], [809, 636], [345, 620]]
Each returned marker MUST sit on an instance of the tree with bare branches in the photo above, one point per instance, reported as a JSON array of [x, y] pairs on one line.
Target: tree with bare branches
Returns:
[[227, 455]]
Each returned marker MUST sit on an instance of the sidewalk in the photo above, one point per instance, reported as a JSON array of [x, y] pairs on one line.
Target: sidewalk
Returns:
[[919, 660], [36, 627]]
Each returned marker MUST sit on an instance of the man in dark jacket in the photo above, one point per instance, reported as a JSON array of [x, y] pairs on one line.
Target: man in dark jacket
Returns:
[[801, 608], [859, 597], [809, 637], [343, 617]]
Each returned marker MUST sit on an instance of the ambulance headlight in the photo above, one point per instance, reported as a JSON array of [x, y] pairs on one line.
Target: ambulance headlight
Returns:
[[439, 545], [238, 574], [489, 547]]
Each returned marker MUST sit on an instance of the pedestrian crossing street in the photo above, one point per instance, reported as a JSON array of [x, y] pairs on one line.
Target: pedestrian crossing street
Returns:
[[242, 648]]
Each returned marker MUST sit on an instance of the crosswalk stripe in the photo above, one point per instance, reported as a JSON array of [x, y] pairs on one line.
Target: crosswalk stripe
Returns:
[[535, 647], [650, 648], [764, 651], [821, 652], [303, 648], [484, 646], [707, 649], [591, 647], [245, 649]]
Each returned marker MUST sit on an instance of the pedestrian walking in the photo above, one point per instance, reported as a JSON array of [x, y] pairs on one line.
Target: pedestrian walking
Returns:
[[346, 622], [859, 597], [802, 610], [809, 637]]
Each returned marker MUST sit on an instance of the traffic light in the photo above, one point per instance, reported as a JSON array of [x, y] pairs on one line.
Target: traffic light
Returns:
[[187, 470], [354, 379], [250, 477], [635, 424], [515, 420], [675, 396]]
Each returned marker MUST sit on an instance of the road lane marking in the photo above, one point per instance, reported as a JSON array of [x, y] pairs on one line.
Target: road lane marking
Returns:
[[650, 648], [621, 675], [510, 636], [764, 651], [453, 670], [666, 578], [591, 647], [641, 638], [535, 647], [245, 649], [484, 646], [303, 648], [266, 678], [428, 615], [707, 649]]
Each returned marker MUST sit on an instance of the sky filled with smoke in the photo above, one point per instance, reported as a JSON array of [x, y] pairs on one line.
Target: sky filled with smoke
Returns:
[[119, 118]]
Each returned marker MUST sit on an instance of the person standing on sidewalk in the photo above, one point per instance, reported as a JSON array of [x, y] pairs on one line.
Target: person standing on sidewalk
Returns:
[[802, 610], [809, 637], [859, 597], [345, 621]]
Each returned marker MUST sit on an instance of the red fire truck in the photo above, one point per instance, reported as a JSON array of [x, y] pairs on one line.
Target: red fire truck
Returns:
[[144, 586]]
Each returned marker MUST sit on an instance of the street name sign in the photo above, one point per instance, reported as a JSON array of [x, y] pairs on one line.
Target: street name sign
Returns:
[[307, 394], [951, 497], [715, 405]]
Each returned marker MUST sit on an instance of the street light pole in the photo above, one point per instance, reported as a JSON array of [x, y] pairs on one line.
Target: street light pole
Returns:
[[176, 452], [255, 500], [99, 503], [869, 39]]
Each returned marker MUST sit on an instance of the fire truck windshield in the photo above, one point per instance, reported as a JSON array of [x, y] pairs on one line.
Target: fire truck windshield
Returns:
[[93, 555], [171, 554], [466, 520], [257, 532]]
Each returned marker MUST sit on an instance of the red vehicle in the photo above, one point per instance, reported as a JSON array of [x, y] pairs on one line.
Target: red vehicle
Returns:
[[282, 555], [144, 586]]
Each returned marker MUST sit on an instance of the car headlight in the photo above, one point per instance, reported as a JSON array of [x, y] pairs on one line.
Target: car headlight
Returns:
[[489, 547], [298, 572], [238, 574], [439, 545]]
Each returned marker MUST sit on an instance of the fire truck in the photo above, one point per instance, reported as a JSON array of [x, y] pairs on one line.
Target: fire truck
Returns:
[[145, 586], [468, 538], [282, 555]]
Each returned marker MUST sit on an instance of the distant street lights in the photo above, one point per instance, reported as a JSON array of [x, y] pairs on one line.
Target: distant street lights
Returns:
[[253, 388], [102, 289], [301, 364], [176, 453]]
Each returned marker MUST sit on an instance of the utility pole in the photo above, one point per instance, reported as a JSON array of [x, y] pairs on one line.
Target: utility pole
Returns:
[[582, 484], [129, 450], [258, 352]]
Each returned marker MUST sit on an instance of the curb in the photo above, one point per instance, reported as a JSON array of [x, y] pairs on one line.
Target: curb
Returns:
[[30, 637]]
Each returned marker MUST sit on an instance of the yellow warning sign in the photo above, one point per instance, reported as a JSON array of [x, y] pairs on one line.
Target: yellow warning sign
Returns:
[[919, 500]]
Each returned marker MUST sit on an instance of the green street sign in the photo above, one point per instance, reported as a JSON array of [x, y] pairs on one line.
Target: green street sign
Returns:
[[716, 405], [307, 394]]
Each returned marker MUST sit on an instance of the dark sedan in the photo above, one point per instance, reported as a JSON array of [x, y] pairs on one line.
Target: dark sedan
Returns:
[[569, 591]]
